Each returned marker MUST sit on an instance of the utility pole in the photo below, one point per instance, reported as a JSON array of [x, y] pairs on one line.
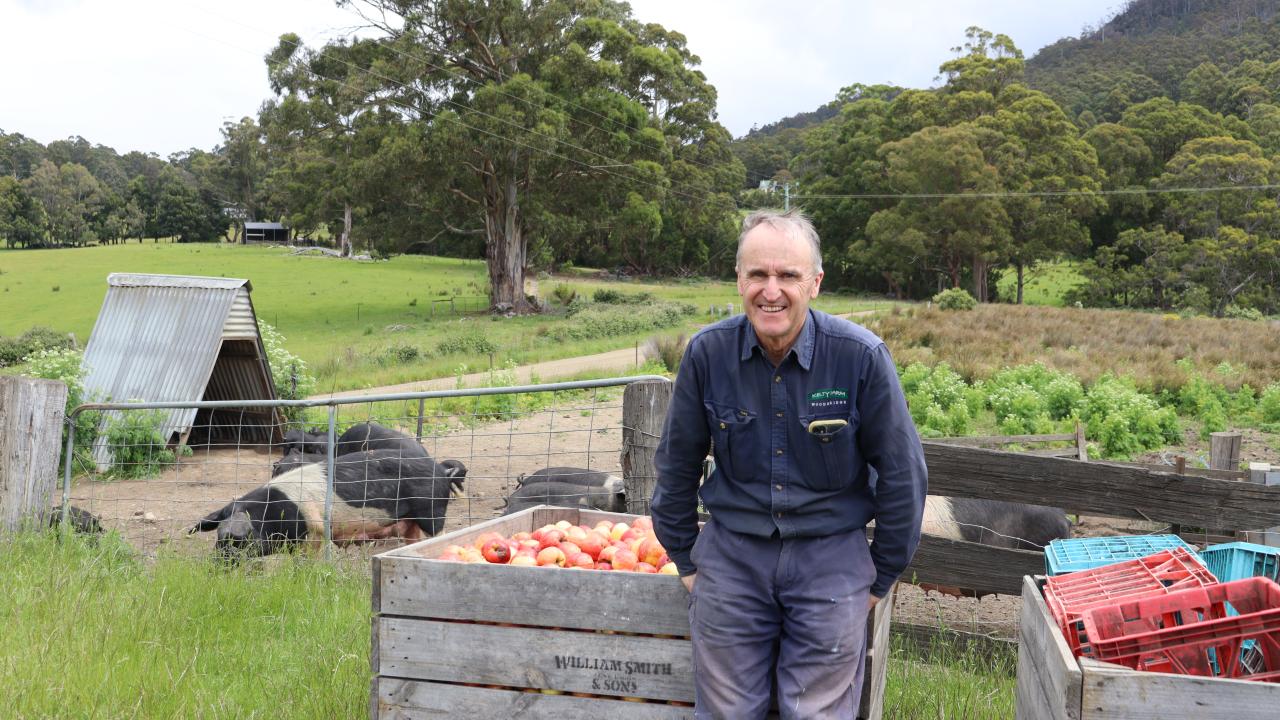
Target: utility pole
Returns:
[[786, 197]]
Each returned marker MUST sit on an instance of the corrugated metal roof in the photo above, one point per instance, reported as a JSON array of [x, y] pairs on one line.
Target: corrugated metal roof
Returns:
[[176, 281], [158, 338], [263, 226]]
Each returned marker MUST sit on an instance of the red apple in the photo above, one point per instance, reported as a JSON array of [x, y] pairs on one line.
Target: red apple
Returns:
[[550, 538], [650, 551], [524, 560], [603, 566], [645, 567], [575, 535], [580, 560], [593, 543], [668, 569], [497, 551], [484, 538], [615, 532], [521, 536], [644, 523], [569, 548], [551, 556], [624, 559], [606, 554], [564, 525]]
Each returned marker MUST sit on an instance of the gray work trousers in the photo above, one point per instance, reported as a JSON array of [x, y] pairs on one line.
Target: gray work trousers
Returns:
[[796, 606]]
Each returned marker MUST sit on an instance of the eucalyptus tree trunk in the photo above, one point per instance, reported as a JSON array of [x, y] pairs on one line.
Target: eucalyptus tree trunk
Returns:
[[505, 245]]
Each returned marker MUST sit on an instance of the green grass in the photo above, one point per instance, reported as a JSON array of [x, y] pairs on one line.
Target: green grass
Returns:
[[1045, 284], [946, 682], [342, 317], [93, 632]]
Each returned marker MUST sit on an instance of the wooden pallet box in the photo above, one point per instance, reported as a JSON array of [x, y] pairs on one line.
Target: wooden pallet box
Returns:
[[1052, 684], [494, 641]]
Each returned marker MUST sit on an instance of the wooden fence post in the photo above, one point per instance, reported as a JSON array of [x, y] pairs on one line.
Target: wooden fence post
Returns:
[[1224, 451], [31, 414], [644, 410], [1260, 473]]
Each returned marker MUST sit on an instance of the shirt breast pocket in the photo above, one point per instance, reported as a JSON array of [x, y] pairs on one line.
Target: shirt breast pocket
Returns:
[[731, 433], [838, 450]]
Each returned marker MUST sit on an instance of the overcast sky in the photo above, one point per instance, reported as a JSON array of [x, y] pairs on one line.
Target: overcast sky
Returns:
[[163, 75]]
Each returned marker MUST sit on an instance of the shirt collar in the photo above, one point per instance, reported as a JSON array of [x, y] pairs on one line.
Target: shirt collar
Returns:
[[802, 348]]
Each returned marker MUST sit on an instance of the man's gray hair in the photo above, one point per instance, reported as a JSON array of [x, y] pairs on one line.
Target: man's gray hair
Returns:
[[792, 223]]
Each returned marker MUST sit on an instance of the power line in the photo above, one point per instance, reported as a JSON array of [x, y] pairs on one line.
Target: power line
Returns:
[[1036, 193]]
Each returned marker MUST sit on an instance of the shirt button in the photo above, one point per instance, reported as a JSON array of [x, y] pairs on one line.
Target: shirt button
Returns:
[[777, 487], [722, 426], [826, 439], [780, 414], [779, 514], [779, 452], [777, 378]]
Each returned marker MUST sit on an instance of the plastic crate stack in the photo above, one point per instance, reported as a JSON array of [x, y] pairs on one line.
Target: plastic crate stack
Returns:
[[1152, 603]]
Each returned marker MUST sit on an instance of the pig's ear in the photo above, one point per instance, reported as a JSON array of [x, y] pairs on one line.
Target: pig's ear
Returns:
[[211, 521]]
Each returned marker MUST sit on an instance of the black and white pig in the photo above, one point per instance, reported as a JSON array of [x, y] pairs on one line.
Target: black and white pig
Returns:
[[565, 494], [377, 495], [372, 436], [573, 476], [992, 522], [295, 459], [303, 441]]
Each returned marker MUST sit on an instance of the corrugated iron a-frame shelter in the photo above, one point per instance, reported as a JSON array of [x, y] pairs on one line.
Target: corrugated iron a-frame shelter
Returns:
[[182, 338]]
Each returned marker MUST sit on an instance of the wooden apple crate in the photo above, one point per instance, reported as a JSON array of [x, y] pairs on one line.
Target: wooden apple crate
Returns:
[[485, 641], [1052, 684]]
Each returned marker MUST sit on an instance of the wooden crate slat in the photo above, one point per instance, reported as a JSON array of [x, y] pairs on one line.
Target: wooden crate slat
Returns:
[[1114, 693], [1054, 667], [584, 662], [401, 699], [548, 597]]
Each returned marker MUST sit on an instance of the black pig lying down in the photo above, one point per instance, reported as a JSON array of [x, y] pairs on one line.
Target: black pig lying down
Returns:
[[377, 494], [388, 465], [565, 495], [573, 476], [294, 460], [303, 441], [372, 436]]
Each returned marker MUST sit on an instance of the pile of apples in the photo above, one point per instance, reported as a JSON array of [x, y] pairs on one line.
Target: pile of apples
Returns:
[[606, 546]]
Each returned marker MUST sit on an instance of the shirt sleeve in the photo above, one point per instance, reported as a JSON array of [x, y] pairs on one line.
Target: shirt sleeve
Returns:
[[684, 444], [888, 440]]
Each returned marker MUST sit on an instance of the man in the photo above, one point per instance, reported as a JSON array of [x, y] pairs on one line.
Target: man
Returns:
[[812, 441]]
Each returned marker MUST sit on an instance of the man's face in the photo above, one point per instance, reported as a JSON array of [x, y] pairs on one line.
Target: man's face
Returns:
[[776, 280]]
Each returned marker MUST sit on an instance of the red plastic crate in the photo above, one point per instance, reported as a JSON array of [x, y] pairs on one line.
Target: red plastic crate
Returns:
[[1189, 631], [1069, 596]]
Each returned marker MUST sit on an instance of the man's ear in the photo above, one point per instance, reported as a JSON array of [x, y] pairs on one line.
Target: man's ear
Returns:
[[817, 280]]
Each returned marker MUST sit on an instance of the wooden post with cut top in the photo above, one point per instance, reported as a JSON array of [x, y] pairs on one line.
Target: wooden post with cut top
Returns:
[[644, 411], [1224, 451], [31, 414]]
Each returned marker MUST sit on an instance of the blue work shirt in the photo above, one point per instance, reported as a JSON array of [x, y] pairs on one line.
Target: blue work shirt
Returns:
[[775, 477]]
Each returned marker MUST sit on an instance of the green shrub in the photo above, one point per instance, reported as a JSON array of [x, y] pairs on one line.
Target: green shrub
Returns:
[[955, 299], [940, 401], [609, 296], [606, 295], [67, 365], [14, 350], [471, 342], [564, 294], [1269, 403], [292, 378], [1204, 400], [597, 320], [1028, 399], [668, 350], [1124, 421], [137, 445], [403, 354], [1241, 313]]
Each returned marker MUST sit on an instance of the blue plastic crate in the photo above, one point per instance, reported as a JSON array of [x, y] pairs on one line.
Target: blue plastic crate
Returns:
[[1240, 560], [1074, 554]]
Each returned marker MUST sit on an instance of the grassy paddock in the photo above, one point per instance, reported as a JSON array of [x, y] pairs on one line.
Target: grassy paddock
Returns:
[[1045, 284], [358, 324], [1085, 343], [93, 632]]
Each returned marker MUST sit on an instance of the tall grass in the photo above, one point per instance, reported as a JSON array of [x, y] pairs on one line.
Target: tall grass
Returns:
[[944, 681], [90, 631], [1086, 343]]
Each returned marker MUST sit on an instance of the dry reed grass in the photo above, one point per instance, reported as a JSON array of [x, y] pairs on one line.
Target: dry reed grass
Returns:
[[1084, 342]]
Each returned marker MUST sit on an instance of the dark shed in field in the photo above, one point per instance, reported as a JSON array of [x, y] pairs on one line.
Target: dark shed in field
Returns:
[[179, 338], [271, 232]]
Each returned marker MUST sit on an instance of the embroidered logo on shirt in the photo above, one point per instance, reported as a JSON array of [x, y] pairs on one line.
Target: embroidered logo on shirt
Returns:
[[828, 398]]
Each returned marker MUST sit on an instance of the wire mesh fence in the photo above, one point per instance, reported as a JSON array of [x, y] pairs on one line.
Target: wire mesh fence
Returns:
[[357, 471]]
